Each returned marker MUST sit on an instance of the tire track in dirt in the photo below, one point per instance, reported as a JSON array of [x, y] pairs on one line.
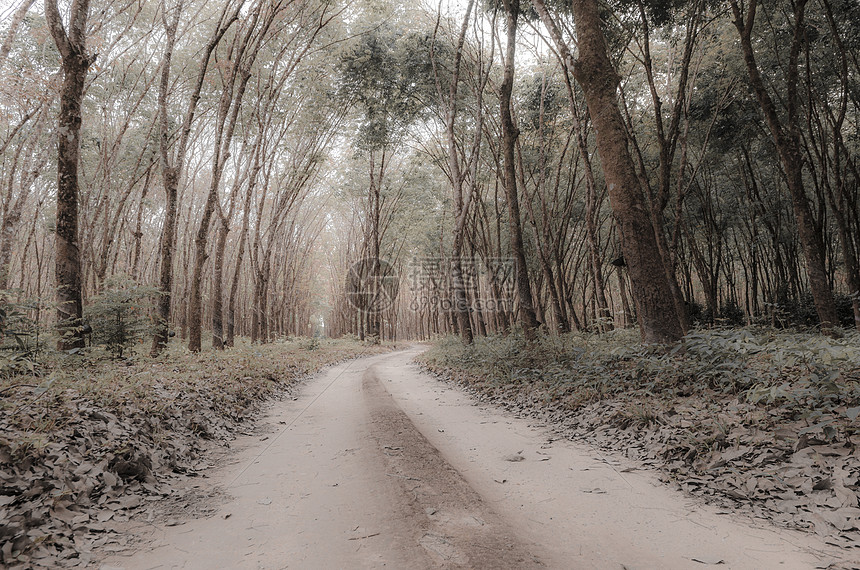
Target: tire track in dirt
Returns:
[[447, 517]]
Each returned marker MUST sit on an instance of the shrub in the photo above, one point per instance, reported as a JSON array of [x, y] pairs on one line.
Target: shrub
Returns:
[[21, 335], [119, 316]]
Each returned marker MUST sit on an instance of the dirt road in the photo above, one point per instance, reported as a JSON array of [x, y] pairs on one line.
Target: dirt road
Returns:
[[376, 465]]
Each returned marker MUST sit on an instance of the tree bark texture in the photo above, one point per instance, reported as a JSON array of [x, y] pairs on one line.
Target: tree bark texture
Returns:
[[527, 317], [75, 63], [658, 319]]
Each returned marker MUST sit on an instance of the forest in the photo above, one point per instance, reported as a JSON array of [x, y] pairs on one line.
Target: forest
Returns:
[[607, 206], [273, 150]]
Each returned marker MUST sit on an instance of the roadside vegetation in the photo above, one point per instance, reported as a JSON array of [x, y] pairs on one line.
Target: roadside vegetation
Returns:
[[88, 440], [754, 418]]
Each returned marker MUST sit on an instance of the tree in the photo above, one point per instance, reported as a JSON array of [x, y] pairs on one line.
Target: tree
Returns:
[[387, 82], [14, 23], [786, 136], [593, 70], [75, 63], [457, 173], [527, 317], [173, 160]]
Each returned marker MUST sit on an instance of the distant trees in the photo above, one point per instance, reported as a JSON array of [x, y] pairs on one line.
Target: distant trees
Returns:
[[275, 167], [388, 81], [786, 135]]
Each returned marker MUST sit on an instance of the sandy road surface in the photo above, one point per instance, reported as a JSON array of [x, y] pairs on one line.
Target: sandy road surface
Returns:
[[376, 465]]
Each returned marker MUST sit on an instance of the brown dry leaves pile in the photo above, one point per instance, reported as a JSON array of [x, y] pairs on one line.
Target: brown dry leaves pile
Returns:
[[792, 457], [97, 442]]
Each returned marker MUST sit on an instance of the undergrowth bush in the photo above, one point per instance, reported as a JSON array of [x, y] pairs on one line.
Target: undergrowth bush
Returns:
[[22, 337], [802, 372], [119, 315]]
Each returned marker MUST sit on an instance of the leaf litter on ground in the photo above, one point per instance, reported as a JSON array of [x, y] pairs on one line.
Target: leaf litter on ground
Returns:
[[97, 442], [761, 421]]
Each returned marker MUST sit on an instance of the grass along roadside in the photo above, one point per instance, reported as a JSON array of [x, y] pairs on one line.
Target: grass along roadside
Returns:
[[89, 441], [761, 420]]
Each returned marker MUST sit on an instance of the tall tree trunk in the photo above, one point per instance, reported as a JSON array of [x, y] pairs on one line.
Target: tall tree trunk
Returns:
[[243, 237], [371, 269], [461, 204], [223, 136], [229, 104], [667, 142], [592, 204], [170, 182], [527, 317], [786, 138], [171, 168], [593, 70], [218, 284], [842, 201], [138, 233], [14, 209], [75, 62]]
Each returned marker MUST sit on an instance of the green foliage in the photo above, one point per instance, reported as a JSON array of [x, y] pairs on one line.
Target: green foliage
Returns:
[[391, 79], [815, 373], [119, 316]]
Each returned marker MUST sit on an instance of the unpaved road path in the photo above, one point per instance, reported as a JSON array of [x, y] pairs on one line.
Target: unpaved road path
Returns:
[[376, 465]]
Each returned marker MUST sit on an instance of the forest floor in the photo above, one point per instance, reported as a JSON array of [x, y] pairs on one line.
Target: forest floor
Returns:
[[88, 442], [754, 421], [179, 463]]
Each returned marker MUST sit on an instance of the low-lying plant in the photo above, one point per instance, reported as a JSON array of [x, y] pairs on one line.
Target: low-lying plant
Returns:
[[763, 366]]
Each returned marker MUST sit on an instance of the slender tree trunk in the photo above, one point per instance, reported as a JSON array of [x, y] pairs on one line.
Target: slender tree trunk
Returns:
[[594, 262], [218, 287], [75, 63], [372, 269], [14, 210], [170, 181], [527, 317], [138, 233], [171, 168], [786, 138], [195, 305], [592, 205], [627, 317], [12, 30], [243, 237], [461, 204], [223, 136]]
